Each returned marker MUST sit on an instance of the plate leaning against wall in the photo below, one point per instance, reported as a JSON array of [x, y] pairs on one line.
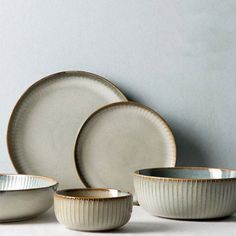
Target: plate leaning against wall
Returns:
[[45, 123], [118, 139]]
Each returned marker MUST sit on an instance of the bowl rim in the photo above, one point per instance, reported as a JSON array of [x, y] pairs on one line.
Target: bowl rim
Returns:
[[59, 194], [137, 174], [54, 183]]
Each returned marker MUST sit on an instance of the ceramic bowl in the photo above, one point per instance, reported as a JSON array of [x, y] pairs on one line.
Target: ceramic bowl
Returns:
[[93, 209], [24, 196], [187, 192]]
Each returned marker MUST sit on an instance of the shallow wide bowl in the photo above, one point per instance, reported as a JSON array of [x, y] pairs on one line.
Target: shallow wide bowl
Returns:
[[24, 196], [187, 192], [93, 209]]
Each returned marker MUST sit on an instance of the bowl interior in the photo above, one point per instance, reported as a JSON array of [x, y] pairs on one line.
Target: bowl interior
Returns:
[[188, 173], [92, 193], [24, 182]]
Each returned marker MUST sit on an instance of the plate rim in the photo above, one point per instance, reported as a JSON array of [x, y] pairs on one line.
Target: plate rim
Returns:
[[35, 85], [125, 103]]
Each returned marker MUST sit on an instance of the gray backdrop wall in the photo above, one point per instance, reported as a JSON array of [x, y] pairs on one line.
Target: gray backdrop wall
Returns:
[[177, 57]]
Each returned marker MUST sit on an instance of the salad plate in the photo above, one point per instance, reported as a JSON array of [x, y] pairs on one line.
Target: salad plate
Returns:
[[118, 139], [46, 120]]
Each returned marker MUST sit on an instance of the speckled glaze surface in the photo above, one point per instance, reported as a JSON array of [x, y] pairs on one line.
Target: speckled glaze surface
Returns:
[[46, 120], [118, 139], [187, 193], [93, 209], [24, 196]]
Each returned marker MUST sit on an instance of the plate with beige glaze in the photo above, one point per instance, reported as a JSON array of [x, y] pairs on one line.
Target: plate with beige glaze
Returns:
[[46, 120], [118, 139]]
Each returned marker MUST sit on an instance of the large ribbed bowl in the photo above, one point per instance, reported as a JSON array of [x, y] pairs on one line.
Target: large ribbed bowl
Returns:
[[24, 196], [187, 192], [93, 209]]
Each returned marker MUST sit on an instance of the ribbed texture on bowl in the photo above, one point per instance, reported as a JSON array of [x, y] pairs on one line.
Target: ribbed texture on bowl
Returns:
[[20, 182], [186, 199], [24, 196], [93, 214]]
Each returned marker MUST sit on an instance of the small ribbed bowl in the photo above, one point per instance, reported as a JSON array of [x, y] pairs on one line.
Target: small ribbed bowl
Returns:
[[187, 192], [93, 209], [24, 196]]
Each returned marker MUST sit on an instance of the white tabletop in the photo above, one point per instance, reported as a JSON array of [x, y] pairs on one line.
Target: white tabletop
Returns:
[[141, 223]]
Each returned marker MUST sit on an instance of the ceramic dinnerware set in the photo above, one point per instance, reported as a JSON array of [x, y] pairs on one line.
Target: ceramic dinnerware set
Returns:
[[80, 129]]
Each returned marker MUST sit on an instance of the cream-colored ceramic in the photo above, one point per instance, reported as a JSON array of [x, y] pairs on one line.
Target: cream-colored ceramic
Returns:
[[119, 139], [187, 192], [46, 120], [24, 196], [93, 209]]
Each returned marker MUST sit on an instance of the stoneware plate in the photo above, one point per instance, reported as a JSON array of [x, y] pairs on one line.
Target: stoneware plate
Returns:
[[46, 120], [118, 139]]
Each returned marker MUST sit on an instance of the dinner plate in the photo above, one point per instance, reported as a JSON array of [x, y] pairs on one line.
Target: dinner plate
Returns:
[[46, 120], [118, 139]]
